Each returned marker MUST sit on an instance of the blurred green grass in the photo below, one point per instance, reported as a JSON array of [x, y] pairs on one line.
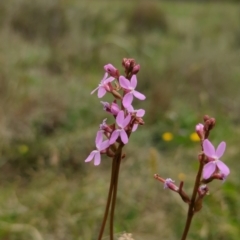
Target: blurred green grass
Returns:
[[52, 56]]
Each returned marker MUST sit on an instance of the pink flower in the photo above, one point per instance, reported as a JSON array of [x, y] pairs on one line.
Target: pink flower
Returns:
[[215, 162], [100, 145], [103, 86], [122, 123], [139, 113], [130, 86]]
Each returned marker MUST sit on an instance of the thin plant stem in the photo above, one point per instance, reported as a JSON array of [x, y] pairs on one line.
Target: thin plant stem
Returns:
[[115, 185], [193, 198], [110, 191]]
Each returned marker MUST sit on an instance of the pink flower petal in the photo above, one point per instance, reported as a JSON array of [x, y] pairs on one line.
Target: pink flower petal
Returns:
[[209, 169], [108, 80], [220, 149], [124, 82], [91, 155], [120, 118], [115, 109], [124, 137], [127, 100], [130, 109], [223, 168], [97, 159], [114, 137], [104, 77], [99, 138], [126, 121], [134, 81], [140, 113], [101, 92], [208, 148], [135, 126], [104, 145], [139, 95]]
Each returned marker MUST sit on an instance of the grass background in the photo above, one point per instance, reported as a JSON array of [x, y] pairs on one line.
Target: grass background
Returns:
[[52, 56]]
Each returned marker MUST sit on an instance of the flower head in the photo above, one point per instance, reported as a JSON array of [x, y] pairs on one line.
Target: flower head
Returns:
[[130, 86], [100, 145], [214, 157], [122, 122], [103, 86]]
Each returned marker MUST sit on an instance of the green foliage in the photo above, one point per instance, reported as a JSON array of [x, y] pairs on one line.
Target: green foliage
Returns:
[[40, 20], [147, 17], [52, 53]]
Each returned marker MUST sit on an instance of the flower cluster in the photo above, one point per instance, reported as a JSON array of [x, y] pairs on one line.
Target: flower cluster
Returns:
[[127, 119], [210, 168]]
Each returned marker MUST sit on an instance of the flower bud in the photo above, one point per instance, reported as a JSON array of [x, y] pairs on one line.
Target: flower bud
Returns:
[[200, 130], [136, 69], [111, 70], [169, 183]]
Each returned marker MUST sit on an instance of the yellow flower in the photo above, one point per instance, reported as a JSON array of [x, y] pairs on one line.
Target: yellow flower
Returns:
[[167, 136], [194, 137], [181, 176], [23, 149]]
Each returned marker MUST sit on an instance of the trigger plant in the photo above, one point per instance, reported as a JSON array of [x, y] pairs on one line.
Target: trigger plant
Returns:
[[111, 138], [210, 168]]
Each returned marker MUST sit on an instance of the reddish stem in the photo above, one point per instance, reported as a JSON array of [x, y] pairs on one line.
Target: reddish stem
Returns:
[[193, 198]]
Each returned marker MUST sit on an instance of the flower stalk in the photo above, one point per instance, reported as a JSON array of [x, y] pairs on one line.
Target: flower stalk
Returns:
[[210, 168], [127, 120]]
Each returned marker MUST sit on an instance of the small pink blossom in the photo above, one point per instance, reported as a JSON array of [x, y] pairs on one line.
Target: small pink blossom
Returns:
[[122, 122], [130, 86], [100, 145], [139, 113], [103, 86], [214, 157]]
